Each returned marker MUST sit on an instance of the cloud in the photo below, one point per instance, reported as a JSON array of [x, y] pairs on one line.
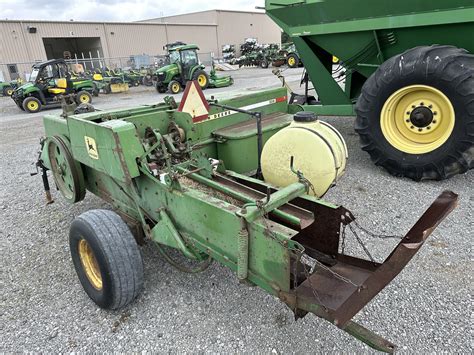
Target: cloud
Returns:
[[112, 10]]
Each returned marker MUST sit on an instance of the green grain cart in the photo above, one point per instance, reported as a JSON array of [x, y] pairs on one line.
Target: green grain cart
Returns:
[[408, 76]]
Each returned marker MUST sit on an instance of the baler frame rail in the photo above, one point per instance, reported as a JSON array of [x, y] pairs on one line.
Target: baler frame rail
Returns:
[[341, 285]]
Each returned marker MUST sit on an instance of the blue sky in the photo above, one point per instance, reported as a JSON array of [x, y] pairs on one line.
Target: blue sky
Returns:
[[112, 10]]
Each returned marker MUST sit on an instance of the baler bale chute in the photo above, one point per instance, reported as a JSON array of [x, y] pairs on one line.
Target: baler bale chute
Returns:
[[188, 177], [406, 71]]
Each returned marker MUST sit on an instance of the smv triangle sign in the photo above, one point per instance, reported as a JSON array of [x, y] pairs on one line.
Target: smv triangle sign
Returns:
[[194, 102]]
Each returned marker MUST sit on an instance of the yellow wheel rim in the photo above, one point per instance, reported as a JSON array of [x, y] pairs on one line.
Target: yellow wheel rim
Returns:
[[9, 92], [33, 105], [84, 99], [291, 61], [202, 80], [89, 264], [417, 119], [175, 88]]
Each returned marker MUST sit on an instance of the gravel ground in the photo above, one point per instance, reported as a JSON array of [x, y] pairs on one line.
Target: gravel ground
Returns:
[[43, 307]]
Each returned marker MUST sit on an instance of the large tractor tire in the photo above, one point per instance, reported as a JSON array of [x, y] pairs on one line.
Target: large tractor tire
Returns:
[[292, 61], [415, 114], [106, 258], [31, 104], [202, 78]]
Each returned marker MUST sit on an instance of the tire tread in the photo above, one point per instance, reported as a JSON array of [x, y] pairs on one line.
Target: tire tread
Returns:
[[121, 252], [450, 59]]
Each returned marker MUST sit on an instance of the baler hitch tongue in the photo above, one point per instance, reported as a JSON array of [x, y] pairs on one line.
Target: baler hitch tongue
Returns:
[[337, 293]]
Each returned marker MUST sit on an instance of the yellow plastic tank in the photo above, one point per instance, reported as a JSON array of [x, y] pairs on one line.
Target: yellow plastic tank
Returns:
[[318, 151]]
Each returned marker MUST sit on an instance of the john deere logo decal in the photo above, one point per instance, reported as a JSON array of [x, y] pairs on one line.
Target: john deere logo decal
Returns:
[[91, 147]]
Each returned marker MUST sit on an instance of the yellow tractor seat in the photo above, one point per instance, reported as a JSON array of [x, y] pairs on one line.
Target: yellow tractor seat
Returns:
[[60, 86], [56, 91], [97, 77], [61, 83]]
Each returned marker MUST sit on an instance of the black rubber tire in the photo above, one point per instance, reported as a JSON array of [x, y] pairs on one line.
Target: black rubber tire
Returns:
[[117, 254], [264, 64], [297, 60], [201, 72], [29, 99], [170, 85], [6, 89], [446, 68], [161, 88], [81, 93]]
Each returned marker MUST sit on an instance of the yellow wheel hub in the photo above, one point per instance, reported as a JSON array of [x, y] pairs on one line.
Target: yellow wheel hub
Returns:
[[202, 80], [84, 99], [89, 264], [175, 88], [417, 119], [291, 61], [33, 105], [9, 92]]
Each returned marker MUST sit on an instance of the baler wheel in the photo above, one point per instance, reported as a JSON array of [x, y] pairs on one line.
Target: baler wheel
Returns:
[[415, 114], [106, 257], [66, 171]]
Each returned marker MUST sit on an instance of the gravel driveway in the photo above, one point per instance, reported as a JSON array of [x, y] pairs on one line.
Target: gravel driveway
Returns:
[[427, 308]]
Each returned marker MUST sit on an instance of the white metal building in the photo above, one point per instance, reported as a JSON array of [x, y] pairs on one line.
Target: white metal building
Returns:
[[25, 42]]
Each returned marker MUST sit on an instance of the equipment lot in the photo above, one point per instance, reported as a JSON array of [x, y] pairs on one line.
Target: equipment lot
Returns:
[[426, 308]]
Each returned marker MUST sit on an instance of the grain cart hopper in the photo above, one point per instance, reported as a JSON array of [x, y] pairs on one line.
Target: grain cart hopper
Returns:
[[408, 76], [190, 177]]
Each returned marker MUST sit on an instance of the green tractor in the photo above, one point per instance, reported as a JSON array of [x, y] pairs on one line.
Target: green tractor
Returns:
[[184, 66], [48, 82]]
